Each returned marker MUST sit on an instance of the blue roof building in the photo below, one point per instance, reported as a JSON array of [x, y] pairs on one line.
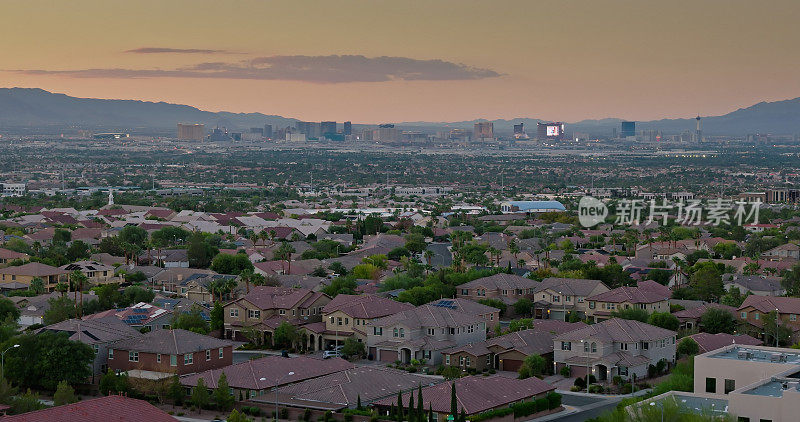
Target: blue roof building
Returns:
[[531, 206]]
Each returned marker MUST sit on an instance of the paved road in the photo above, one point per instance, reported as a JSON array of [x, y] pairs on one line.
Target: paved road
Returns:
[[588, 406]]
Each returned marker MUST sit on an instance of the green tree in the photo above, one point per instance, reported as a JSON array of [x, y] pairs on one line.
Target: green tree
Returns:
[[78, 250], [231, 264], [706, 281], [285, 336], [791, 281], [664, 320], [8, 310], [45, 359], [27, 402], [284, 253], [534, 365], [523, 306], [37, 285], [635, 314], [733, 297], [415, 242], [176, 391], [453, 400], [217, 316], [222, 395], [133, 235], [353, 348], [200, 397], [774, 328], [60, 309], [715, 320], [64, 394], [237, 416], [687, 347], [191, 321]]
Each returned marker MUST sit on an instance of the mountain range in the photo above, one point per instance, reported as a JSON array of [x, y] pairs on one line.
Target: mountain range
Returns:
[[37, 108]]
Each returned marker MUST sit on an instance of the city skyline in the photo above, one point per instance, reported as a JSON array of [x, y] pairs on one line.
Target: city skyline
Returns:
[[374, 62]]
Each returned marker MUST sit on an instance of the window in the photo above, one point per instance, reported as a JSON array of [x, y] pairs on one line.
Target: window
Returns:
[[591, 304], [755, 315], [744, 315], [565, 345], [594, 347], [623, 370], [133, 356], [234, 312], [461, 361], [464, 292], [491, 317], [730, 385], [645, 345], [556, 299], [402, 333], [346, 321], [623, 346], [567, 298], [586, 347], [95, 348], [158, 358], [395, 332], [188, 359], [792, 317], [468, 361], [293, 312], [221, 353], [173, 360], [333, 320], [431, 331], [111, 353], [378, 331], [208, 354], [505, 292], [282, 312], [426, 354], [253, 313], [447, 360], [452, 331], [339, 321], [711, 385]]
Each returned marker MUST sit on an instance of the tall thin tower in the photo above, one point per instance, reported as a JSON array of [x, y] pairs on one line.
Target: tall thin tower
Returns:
[[698, 132]]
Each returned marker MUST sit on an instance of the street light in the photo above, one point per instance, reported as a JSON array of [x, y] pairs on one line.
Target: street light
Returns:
[[277, 382], [585, 344], [3, 360], [777, 318]]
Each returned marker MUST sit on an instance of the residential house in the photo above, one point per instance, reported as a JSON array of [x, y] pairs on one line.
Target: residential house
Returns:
[[162, 354], [760, 285], [347, 316], [474, 394], [245, 378], [508, 288], [7, 255], [265, 308], [490, 315], [690, 317], [648, 295], [143, 316], [613, 347], [788, 250], [508, 352], [422, 333], [27, 272], [116, 408], [554, 297], [166, 258], [95, 272], [709, 342], [754, 308], [98, 333]]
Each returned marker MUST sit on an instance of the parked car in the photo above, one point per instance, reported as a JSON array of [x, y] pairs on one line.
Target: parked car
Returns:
[[331, 354]]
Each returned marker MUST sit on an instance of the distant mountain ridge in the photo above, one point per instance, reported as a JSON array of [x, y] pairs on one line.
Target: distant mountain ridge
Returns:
[[33, 107]]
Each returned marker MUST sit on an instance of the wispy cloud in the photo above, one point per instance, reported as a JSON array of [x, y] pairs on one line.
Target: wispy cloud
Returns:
[[157, 50], [317, 69]]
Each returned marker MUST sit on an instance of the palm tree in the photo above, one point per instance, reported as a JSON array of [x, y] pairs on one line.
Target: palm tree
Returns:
[[247, 277], [78, 279], [428, 254], [513, 248], [284, 253]]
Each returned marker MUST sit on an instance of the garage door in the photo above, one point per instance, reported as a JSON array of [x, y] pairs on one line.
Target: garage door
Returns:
[[511, 364], [388, 355]]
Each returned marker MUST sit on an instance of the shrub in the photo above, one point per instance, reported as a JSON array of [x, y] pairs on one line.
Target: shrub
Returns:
[[307, 415], [575, 388], [617, 380], [595, 388], [566, 372], [554, 399], [524, 409], [542, 404], [626, 388], [284, 413]]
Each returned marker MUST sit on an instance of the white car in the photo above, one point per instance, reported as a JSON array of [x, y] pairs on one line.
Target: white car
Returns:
[[331, 354]]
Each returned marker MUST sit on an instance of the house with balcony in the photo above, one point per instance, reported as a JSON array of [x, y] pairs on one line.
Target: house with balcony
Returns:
[[95, 272], [347, 316], [647, 295], [487, 313], [613, 347], [265, 308], [554, 297], [422, 333], [27, 272]]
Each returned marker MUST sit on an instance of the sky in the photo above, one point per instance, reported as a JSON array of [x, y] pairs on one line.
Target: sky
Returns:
[[374, 61]]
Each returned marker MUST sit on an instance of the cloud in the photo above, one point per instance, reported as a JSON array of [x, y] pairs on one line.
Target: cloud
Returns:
[[155, 50], [317, 69]]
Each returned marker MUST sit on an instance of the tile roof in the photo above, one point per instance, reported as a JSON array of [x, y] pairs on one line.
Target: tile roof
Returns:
[[618, 330], [35, 269], [476, 393], [269, 297], [428, 316], [631, 294], [102, 409], [365, 306], [247, 375], [501, 281], [573, 286], [766, 304], [95, 331], [136, 315], [709, 342], [171, 342], [464, 305], [697, 312]]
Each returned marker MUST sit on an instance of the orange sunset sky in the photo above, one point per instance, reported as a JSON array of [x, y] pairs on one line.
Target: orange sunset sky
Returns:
[[434, 60]]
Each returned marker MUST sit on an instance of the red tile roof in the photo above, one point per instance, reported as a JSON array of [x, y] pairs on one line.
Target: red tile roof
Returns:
[[101, 409], [365, 306], [766, 304], [709, 342]]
